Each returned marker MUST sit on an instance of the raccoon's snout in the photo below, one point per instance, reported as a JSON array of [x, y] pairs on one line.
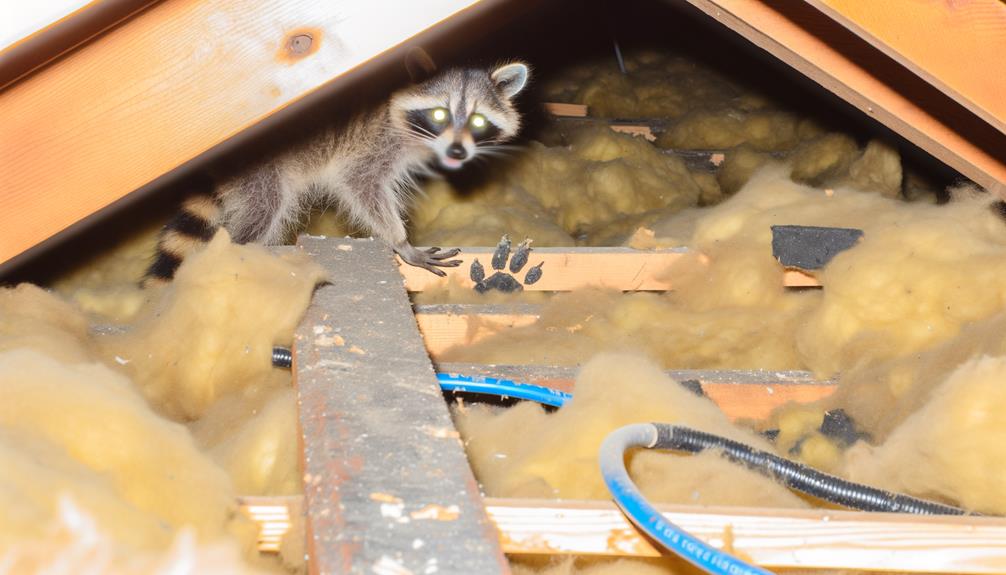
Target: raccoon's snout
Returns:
[[456, 151]]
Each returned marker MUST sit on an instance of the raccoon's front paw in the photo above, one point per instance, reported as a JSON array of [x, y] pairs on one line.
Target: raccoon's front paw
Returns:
[[429, 259], [501, 280]]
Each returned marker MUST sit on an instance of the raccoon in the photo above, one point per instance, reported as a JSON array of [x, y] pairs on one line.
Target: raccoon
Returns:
[[366, 167]]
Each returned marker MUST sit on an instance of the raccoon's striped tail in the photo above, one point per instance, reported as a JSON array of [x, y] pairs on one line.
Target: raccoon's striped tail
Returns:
[[192, 227]]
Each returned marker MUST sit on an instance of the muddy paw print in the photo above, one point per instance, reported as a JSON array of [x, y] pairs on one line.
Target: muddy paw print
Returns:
[[502, 280]]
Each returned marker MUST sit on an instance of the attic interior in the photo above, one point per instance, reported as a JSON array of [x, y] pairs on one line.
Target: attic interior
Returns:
[[136, 418]]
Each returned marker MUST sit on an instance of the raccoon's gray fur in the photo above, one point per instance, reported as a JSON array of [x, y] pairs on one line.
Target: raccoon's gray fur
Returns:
[[366, 167]]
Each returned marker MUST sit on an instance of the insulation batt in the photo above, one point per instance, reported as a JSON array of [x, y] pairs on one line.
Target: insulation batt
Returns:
[[161, 423], [556, 194], [949, 448], [526, 452]]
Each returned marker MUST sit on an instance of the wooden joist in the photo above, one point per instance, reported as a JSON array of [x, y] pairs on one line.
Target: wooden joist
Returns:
[[566, 269], [566, 110], [845, 64], [171, 83], [774, 538], [387, 485], [448, 325], [741, 394]]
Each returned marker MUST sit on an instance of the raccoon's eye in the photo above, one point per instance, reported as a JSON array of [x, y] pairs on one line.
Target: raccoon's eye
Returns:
[[439, 115], [478, 122]]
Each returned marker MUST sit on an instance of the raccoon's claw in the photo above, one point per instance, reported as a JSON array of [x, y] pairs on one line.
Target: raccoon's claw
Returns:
[[433, 253], [430, 259]]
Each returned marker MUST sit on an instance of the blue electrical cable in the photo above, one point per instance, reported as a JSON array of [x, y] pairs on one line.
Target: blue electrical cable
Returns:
[[647, 517], [502, 388]]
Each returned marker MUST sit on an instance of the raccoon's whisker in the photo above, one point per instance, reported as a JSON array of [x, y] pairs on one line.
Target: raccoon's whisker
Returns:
[[422, 130], [412, 135]]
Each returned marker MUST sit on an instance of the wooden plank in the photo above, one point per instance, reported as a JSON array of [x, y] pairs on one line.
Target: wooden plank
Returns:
[[838, 60], [59, 37], [780, 538], [567, 269], [276, 518], [447, 325], [635, 130], [386, 481], [564, 109], [775, 538], [170, 84], [955, 46], [741, 394]]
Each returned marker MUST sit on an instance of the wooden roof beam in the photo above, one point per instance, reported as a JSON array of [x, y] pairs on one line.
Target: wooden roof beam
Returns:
[[169, 84], [845, 64]]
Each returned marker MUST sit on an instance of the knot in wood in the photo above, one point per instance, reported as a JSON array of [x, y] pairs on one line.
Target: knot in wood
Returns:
[[299, 45]]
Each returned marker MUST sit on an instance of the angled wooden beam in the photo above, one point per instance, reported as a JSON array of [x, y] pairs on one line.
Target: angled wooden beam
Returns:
[[776, 538], [837, 59], [66, 33], [169, 84], [955, 46], [386, 482]]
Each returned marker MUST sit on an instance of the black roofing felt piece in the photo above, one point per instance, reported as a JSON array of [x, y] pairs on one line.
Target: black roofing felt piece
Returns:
[[811, 247]]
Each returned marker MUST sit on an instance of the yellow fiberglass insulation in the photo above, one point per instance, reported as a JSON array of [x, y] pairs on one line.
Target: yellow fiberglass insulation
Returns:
[[85, 410], [656, 85], [89, 423], [880, 396], [211, 331], [729, 309], [525, 452], [554, 194], [949, 448], [74, 544]]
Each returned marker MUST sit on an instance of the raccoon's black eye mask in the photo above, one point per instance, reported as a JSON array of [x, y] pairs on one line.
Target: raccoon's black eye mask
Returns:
[[481, 128], [431, 121]]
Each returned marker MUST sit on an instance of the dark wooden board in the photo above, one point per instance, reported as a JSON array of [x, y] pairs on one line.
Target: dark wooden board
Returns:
[[386, 481]]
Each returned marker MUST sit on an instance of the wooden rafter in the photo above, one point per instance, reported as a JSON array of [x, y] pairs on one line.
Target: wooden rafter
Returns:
[[955, 46], [845, 64], [173, 82]]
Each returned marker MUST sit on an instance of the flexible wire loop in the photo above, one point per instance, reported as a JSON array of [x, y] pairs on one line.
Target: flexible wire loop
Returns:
[[647, 518], [798, 476]]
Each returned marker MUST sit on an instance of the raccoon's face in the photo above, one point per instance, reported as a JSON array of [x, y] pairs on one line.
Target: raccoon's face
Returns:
[[460, 114]]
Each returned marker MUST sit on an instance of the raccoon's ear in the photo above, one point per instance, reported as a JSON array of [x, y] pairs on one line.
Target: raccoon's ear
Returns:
[[419, 64], [511, 78]]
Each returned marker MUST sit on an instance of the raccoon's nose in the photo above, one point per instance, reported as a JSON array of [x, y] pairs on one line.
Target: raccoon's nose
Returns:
[[457, 151]]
